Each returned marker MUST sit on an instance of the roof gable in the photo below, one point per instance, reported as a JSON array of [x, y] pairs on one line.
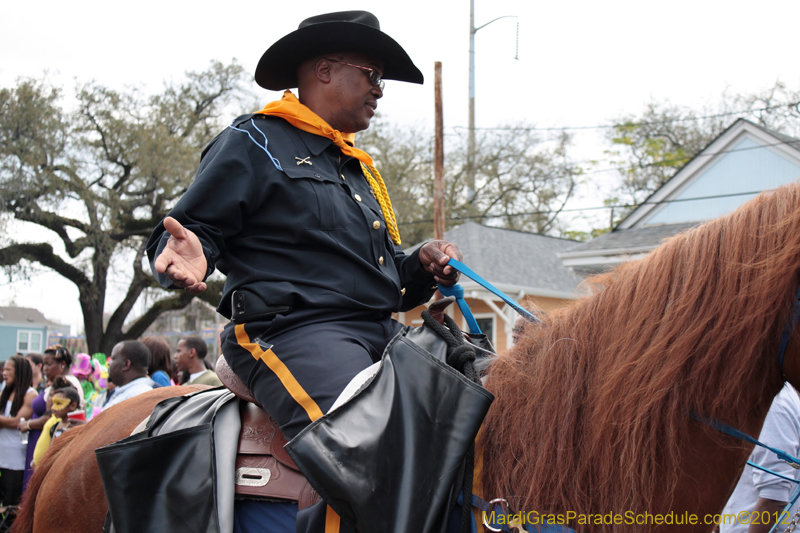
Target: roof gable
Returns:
[[744, 160]]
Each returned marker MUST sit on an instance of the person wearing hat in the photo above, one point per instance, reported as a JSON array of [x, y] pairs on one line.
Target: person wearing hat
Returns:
[[301, 223]]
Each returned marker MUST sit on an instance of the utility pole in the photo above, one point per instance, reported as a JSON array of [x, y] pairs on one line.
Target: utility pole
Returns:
[[438, 157], [471, 133], [471, 139]]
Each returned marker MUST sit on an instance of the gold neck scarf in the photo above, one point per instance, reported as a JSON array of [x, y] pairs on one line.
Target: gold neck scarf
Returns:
[[301, 117]]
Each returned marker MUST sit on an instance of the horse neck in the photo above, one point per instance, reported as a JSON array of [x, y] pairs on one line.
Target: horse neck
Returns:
[[709, 462], [712, 461]]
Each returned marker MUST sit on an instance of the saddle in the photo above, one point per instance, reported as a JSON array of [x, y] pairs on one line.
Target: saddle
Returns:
[[264, 470]]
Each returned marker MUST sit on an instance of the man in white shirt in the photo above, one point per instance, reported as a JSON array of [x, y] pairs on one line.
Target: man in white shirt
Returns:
[[127, 370], [759, 491]]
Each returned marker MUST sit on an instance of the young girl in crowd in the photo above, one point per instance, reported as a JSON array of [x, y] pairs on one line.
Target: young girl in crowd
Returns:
[[56, 363], [88, 371], [64, 400]]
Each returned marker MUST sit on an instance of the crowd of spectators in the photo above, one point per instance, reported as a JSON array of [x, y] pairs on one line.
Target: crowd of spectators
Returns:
[[43, 395]]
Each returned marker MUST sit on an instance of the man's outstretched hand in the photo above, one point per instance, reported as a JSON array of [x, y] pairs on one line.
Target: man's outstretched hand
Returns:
[[182, 259], [434, 257]]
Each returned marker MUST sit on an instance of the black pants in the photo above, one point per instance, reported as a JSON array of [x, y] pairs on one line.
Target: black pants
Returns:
[[10, 486], [296, 365]]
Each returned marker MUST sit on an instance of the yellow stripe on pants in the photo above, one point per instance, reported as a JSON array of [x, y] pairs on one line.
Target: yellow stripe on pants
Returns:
[[291, 384], [331, 521]]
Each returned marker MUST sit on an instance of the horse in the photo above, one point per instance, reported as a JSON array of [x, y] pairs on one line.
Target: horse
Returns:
[[65, 490], [597, 412]]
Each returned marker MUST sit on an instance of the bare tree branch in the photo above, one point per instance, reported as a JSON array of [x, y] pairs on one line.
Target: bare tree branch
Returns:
[[43, 254]]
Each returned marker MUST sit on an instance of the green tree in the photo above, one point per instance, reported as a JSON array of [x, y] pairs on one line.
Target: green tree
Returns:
[[522, 180], [404, 157], [652, 146], [99, 177], [776, 108]]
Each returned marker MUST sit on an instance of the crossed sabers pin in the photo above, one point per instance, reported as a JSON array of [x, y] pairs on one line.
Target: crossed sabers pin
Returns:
[[304, 160]]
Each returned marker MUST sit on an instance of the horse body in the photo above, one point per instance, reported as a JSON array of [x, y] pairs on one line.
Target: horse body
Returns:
[[65, 493], [594, 410]]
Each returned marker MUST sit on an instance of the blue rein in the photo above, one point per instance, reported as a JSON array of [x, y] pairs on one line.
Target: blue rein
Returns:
[[458, 292], [786, 336], [783, 456], [792, 461]]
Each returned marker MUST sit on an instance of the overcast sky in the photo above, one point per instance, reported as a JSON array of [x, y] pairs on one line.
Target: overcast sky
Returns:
[[580, 63]]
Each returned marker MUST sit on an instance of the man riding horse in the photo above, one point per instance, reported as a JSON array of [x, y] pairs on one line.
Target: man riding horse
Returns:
[[302, 225]]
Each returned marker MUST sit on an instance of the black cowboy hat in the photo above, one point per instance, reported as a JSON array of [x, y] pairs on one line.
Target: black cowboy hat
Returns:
[[345, 31]]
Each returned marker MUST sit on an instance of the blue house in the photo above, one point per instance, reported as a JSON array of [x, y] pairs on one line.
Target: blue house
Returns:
[[24, 330], [742, 161]]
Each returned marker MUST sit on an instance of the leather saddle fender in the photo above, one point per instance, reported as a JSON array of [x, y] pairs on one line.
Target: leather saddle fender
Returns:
[[264, 469]]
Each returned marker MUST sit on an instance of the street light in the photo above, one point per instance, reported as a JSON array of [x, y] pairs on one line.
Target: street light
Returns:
[[471, 138]]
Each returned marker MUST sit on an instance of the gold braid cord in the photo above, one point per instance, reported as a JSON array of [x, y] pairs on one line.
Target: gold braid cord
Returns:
[[376, 182]]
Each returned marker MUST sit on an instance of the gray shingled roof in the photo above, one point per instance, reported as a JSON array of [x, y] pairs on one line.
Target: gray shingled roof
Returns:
[[634, 238], [512, 257], [24, 315]]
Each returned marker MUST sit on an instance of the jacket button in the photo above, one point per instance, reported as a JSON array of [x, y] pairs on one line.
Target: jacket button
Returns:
[[380, 260], [376, 224], [357, 197], [403, 291]]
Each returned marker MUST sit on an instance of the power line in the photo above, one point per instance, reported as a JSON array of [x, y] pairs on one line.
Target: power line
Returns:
[[637, 124], [664, 162], [657, 163], [795, 143], [594, 208]]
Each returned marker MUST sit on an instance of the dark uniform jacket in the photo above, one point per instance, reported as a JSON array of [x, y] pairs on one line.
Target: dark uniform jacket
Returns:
[[284, 214]]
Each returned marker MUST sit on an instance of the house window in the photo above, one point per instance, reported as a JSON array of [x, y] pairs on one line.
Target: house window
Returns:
[[29, 341], [486, 323]]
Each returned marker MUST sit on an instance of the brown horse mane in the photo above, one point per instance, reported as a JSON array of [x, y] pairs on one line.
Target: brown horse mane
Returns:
[[592, 409]]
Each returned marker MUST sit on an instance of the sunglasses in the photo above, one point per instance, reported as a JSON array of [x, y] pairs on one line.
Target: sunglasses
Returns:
[[374, 76]]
